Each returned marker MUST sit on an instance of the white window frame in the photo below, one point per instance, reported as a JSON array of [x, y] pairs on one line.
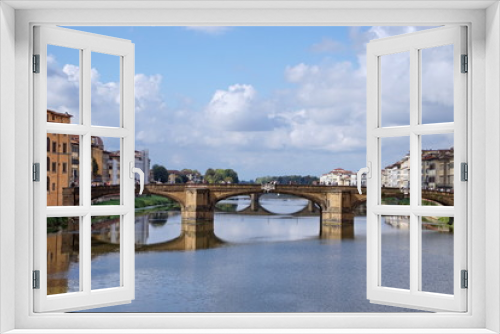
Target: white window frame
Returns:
[[484, 264], [413, 44], [123, 50]]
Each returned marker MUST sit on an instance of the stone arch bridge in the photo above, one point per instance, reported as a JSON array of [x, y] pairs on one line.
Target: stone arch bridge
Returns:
[[198, 201]]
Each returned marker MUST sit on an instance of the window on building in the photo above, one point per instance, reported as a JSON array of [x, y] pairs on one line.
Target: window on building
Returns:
[[48, 164], [48, 184], [48, 144], [65, 148], [54, 167], [53, 186], [54, 147], [65, 167]]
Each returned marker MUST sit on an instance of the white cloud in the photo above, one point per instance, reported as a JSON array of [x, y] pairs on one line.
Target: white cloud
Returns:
[[63, 88], [147, 93], [63, 95], [327, 45], [298, 72], [233, 101], [237, 109]]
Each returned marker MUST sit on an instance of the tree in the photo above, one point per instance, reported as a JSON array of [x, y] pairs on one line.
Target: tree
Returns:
[[221, 175], [231, 175], [287, 179], [160, 173], [209, 175]]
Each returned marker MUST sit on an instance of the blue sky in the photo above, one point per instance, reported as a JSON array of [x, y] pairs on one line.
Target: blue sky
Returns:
[[195, 63], [260, 100]]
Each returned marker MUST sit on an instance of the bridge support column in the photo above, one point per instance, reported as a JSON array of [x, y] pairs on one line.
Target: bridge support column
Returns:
[[254, 202], [337, 219], [311, 207], [197, 227]]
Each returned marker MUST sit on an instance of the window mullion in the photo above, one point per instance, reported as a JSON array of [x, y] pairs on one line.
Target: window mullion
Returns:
[[414, 170], [85, 167]]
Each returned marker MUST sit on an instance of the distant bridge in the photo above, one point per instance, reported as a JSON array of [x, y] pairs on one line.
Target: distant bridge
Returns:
[[256, 208], [198, 201]]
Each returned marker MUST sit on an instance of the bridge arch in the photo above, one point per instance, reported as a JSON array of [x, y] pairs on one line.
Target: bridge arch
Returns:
[[255, 205], [312, 198], [172, 197]]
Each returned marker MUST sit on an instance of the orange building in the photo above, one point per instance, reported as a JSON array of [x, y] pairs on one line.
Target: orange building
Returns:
[[58, 160]]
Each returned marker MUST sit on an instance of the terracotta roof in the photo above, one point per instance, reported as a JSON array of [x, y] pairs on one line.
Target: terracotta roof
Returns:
[[59, 113]]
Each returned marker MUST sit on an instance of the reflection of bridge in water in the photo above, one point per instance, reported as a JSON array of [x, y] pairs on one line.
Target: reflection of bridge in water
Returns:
[[197, 201]]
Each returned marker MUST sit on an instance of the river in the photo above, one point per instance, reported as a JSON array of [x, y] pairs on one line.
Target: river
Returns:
[[269, 263]]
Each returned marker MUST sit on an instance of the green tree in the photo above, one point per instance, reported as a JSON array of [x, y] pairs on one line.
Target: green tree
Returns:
[[231, 176], [210, 175], [221, 175], [160, 173], [286, 179]]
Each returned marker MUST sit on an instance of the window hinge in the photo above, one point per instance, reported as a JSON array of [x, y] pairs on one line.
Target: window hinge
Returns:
[[465, 64], [465, 279], [36, 63], [464, 171], [36, 172], [36, 279]]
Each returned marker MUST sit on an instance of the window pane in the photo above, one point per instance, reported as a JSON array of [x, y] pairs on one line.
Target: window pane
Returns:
[[437, 170], [395, 174], [105, 252], [437, 254], [395, 89], [63, 253], [63, 169], [437, 84], [105, 101], [395, 244], [63, 85], [105, 170]]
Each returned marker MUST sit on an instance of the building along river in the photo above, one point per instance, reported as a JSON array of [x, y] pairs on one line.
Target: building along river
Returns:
[[268, 263]]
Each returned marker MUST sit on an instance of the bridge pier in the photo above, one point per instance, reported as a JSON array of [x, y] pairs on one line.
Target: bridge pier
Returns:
[[197, 220], [254, 202], [311, 207], [337, 219]]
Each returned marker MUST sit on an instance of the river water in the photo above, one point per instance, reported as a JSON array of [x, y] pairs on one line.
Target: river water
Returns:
[[269, 263]]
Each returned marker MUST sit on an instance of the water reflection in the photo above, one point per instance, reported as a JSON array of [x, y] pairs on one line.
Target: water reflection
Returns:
[[279, 256], [62, 262], [156, 227]]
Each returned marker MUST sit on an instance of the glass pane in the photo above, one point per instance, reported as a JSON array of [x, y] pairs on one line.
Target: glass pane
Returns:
[[105, 252], [63, 253], [437, 84], [63, 169], [395, 174], [395, 89], [437, 170], [395, 244], [437, 254], [105, 100], [105, 170], [63, 85]]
